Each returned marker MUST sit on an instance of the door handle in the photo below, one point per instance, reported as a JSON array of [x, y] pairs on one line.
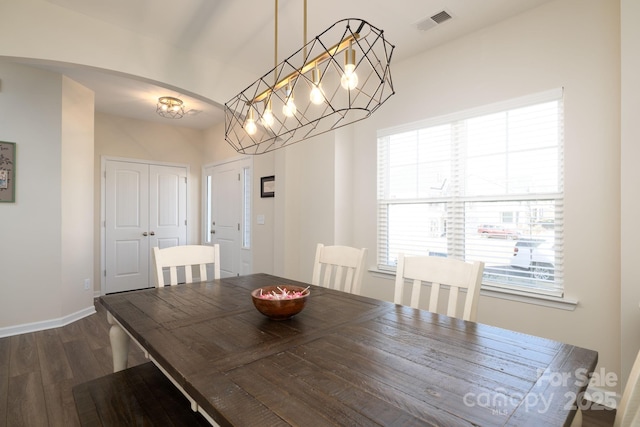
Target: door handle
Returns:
[[153, 233], [213, 231], [145, 234]]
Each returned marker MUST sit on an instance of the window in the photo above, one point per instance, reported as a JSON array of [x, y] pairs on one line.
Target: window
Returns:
[[485, 184]]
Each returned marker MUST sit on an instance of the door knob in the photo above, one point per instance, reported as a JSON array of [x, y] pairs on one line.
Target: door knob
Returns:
[[153, 233], [213, 231], [145, 234]]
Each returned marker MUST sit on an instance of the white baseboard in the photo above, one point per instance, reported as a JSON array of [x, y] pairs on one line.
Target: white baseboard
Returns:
[[46, 324]]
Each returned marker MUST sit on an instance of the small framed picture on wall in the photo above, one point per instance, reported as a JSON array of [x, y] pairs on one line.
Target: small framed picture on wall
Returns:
[[268, 186], [7, 171]]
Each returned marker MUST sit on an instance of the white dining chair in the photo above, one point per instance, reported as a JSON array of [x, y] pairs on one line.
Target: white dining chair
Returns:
[[438, 272], [339, 267], [628, 410], [185, 257]]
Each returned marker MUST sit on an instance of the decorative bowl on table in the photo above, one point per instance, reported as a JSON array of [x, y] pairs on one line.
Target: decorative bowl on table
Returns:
[[280, 302]]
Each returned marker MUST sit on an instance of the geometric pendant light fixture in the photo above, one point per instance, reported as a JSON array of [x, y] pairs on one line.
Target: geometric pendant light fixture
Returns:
[[340, 77]]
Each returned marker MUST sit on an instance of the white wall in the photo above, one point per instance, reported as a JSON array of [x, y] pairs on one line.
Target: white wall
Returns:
[[37, 283], [76, 190], [263, 245], [344, 188], [308, 211], [630, 177], [319, 200]]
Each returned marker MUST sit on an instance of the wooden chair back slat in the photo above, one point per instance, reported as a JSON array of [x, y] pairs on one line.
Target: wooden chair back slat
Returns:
[[185, 257], [440, 272], [339, 267]]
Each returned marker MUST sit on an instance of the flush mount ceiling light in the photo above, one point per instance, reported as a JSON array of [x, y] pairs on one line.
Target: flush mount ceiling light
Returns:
[[170, 107], [340, 77]]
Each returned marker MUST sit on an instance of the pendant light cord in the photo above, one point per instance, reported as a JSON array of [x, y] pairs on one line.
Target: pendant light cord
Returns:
[[275, 50]]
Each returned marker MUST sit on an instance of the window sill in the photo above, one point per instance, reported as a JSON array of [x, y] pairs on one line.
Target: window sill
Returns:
[[507, 294]]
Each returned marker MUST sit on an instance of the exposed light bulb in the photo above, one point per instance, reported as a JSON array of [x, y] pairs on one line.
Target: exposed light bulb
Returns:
[[316, 95], [164, 107], [267, 117], [289, 108], [250, 125], [349, 79]]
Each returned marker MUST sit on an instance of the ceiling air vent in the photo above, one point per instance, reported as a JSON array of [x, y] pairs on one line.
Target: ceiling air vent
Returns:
[[430, 22]]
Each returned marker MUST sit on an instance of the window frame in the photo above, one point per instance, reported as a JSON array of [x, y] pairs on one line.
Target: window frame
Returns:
[[554, 289]]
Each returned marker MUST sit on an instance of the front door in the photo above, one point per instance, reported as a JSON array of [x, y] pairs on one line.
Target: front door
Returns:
[[145, 206], [228, 214]]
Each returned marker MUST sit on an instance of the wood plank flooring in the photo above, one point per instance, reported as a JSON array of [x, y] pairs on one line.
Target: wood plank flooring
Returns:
[[38, 371]]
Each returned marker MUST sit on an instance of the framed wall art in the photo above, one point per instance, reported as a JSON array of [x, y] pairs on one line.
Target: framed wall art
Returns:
[[7, 171], [267, 186]]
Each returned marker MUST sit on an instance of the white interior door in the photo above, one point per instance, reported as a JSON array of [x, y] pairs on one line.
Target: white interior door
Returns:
[[145, 206], [126, 226], [167, 206], [228, 213]]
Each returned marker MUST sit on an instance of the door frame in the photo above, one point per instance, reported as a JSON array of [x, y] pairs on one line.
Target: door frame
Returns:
[[103, 212], [205, 199]]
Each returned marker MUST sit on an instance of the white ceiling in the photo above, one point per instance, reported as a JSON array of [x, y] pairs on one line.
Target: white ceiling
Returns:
[[242, 32]]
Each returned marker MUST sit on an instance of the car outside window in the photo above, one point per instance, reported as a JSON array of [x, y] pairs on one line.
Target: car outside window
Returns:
[[503, 231]]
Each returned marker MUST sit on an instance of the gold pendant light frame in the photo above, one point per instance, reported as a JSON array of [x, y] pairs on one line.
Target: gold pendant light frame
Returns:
[[319, 63]]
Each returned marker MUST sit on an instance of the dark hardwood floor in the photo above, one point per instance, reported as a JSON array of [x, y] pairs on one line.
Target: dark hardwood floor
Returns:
[[598, 416], [38, 371]]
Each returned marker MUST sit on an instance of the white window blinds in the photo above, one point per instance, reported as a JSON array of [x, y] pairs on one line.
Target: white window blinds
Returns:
[[484, 184]]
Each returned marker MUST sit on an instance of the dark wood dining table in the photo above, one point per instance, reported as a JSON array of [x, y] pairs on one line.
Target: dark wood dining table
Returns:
[[345, 360]]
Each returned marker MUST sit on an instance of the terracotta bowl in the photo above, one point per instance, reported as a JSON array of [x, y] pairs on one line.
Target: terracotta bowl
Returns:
[[279, 309]]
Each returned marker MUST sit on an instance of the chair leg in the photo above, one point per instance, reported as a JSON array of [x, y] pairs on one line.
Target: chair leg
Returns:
[[119, 344]]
